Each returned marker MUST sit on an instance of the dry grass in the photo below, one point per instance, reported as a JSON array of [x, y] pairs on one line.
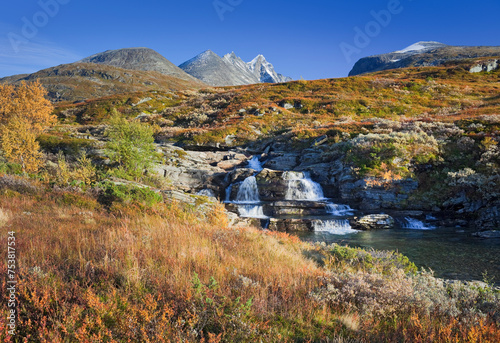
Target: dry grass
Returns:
[[176, 275], [67, 250], [4, 217]]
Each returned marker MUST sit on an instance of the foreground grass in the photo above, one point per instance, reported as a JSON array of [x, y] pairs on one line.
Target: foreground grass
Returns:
[[170, 273]]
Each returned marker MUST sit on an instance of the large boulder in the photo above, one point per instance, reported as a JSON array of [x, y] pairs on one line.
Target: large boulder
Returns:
[[286, 225], [373, 222], [375, 194], [271, 185], [279, 161], [302, 208]]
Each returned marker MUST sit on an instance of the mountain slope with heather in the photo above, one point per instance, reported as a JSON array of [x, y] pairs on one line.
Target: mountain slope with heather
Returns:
[[81, 81]]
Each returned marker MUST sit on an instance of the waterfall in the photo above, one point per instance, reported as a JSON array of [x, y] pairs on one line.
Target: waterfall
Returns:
[[336, 227], [251, 211], [229, 189], [255, 164], [415, 224], [248, 200], [301, 187], [339, 210], [248, 193]]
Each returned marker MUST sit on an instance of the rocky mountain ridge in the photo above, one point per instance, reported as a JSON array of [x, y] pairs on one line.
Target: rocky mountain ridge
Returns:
[[231, 70], [421, 54]]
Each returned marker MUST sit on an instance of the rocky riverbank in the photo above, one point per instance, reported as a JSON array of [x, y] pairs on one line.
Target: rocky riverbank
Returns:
[[222, 172]]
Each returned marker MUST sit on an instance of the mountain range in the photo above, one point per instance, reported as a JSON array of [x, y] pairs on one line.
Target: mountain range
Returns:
[[140, 69], [231, 70], [421, 54]]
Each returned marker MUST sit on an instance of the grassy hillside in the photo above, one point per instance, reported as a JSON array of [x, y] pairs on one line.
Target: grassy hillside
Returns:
[[81, 81], [445, 94], [433, 123], [126, 271]]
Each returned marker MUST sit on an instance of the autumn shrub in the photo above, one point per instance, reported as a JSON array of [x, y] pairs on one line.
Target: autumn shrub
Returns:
[[18, 184], [357, 259], [81, 173], [397, 151]]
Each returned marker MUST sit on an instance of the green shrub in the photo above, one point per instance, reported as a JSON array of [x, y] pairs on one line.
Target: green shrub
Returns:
[[68, 145], [356, 259], [128, 194], [131, 146], [396, 152]]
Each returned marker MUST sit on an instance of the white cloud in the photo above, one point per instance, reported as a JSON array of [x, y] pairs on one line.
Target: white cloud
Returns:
[[32, 56]]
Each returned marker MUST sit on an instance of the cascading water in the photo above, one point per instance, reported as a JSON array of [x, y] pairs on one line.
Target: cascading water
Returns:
[[229, 189], [336, 227], [248, 199], [415, 224], [301, 187], [251, 211], [339, 210], [248, 193], [255, 164]]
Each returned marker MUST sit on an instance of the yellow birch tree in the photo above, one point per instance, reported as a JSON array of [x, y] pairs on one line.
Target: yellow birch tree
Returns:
[[24, 114]]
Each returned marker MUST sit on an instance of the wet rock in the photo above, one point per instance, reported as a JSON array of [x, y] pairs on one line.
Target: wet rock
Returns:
[[372, 222], [271, 185], [489, 217], [409, 213], [286, 225], [374, 194], [239, 175], [302, 208]]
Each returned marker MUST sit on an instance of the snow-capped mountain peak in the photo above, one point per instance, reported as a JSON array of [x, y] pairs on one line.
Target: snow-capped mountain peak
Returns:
[[264, 70], [231, 70], [420, 47]]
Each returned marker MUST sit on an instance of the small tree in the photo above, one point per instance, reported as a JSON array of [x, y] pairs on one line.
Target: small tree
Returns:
[[131, 146], [19, 145], [28, 102], [24, 114]]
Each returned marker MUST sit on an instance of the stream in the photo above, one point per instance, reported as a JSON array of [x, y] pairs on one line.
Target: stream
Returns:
[[450, 252]]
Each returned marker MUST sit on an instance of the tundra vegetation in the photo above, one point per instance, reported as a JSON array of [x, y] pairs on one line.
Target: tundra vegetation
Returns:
[[104, 256]]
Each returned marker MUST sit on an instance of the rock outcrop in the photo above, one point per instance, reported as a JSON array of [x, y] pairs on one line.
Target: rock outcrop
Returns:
[[373, 222]]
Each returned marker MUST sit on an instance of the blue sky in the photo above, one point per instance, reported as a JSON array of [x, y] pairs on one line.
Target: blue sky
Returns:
[[301, 38]]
